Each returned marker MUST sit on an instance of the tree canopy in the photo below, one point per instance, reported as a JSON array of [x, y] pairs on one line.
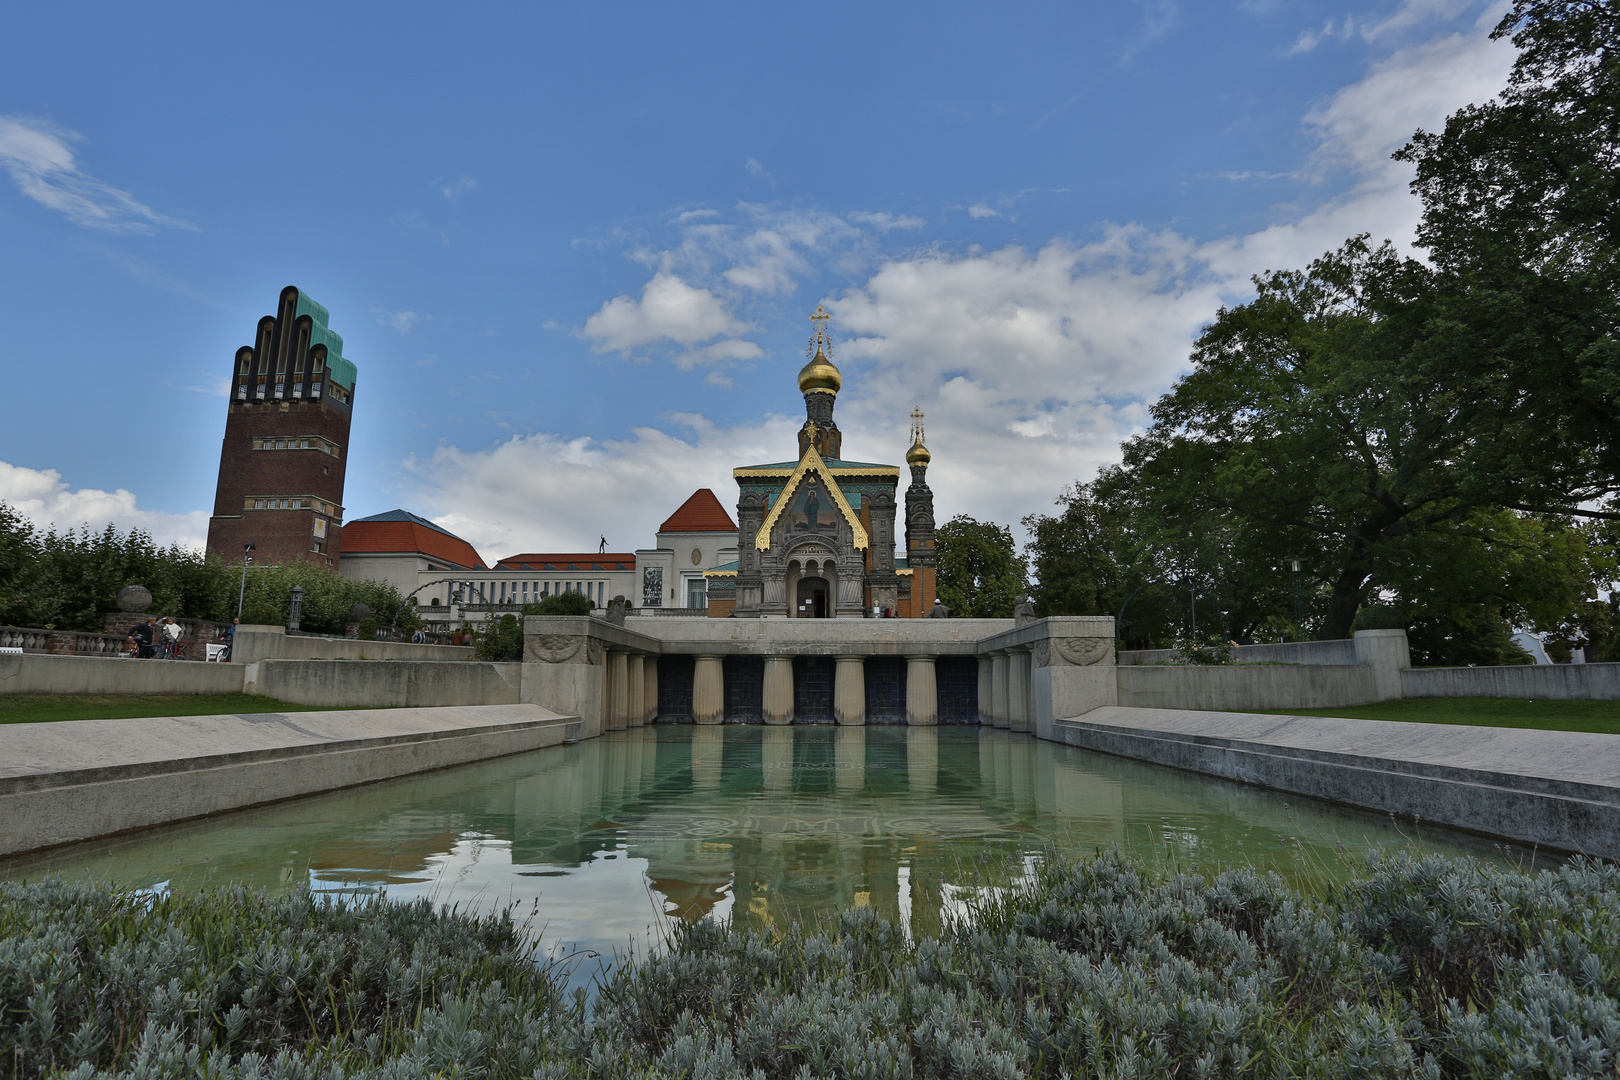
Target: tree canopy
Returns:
[[981, 574], [1440, 435]]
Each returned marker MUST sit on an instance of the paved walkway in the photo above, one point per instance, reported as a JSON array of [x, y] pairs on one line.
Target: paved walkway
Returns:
[[1557, 789], [73, 780]]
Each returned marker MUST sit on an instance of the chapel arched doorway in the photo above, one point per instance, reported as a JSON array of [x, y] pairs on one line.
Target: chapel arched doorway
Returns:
[[812, 599]]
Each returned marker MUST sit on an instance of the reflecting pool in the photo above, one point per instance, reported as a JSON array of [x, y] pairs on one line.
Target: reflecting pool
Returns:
[[603, 842]]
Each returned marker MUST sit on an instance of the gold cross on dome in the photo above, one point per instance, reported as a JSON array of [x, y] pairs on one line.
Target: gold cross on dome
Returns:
[[820, 317], [917, 424]]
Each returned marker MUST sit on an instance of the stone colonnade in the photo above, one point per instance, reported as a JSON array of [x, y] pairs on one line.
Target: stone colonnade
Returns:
[[849, 690], [1030, 673], [630, 685]]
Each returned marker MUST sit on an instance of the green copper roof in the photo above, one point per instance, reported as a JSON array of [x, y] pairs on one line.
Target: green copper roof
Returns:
[[339, 370]]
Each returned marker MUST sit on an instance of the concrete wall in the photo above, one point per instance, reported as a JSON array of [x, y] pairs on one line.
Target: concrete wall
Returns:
[[1339, 651], [1235, 688], [255, 643], [1532, 681], [36, 673], [360, 684], [815, 637], [61, 782]]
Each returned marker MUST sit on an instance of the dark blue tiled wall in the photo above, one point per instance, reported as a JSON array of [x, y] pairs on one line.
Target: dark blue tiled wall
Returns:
[[745, 689], [675, 689], [885, 690], [812, 689], [957, 682]]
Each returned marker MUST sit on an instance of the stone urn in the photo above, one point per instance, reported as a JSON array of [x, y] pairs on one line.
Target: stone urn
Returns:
[[134, 598]]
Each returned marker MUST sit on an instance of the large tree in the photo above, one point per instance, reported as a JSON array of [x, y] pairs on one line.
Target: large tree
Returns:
[[981, 574], [1521, 222], [1304, 431]]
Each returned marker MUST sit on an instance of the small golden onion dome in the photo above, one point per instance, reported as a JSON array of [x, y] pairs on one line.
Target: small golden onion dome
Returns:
[[918, 455], [819, 374]]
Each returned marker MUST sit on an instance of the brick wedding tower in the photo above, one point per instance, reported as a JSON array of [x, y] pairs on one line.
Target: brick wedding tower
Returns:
[[286, 441]]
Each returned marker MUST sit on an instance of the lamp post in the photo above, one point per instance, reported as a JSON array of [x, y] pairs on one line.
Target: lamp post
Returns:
[[1299, 599], [241, 594]]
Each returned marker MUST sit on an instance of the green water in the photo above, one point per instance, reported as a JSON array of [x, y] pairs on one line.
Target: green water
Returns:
[[603, 842]]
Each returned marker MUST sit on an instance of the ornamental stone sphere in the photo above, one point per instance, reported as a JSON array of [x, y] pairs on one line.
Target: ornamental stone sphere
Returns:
[[359, 613], [134, 598]]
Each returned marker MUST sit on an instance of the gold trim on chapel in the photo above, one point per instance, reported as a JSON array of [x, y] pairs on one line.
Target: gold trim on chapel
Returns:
[[810, 463]]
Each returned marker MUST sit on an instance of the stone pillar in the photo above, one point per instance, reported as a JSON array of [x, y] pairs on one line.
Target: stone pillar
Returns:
[[849, 760], [618, 690], [922, 758], [998, 688], [708, 750], [778, 695], [708, 690], [635, 709], [849, 691], [1072, 669], [649, 672], [1018, 689], [922, 694], [986, 690], [1389, 654], [776, 758]]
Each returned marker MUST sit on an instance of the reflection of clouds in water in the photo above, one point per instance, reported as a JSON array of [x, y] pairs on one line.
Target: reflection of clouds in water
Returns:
[[603, 905]]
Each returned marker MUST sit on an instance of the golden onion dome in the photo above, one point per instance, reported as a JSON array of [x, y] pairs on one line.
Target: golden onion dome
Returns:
[[918, 454], [819, 374]]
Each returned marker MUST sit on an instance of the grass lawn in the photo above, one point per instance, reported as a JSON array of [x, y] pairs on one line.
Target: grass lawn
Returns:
[[1581, 715], [33, 710]]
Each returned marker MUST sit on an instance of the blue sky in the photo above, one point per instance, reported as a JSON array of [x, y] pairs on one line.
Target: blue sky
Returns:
[[572, 249]]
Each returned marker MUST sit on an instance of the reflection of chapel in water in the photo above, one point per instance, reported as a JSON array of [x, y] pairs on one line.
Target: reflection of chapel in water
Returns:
[[816, 535]]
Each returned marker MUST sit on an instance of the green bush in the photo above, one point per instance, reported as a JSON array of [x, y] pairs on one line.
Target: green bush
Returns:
[[499, 639], [1378, 617], [327, 599], [568, 603], [1421, 968], [70, 580]]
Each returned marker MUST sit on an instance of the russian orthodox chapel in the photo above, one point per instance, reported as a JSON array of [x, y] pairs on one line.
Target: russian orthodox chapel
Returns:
[[816, 535]]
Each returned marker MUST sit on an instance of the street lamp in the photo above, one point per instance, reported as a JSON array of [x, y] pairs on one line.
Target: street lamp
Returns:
[[241, 594], [1299, 599]]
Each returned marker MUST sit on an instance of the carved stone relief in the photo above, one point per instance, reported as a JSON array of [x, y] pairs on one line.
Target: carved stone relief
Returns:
[[1077, 652]]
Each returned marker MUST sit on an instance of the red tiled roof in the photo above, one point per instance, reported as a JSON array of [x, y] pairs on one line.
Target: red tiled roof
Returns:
[[701, 513], [407, 536], [584, 562]]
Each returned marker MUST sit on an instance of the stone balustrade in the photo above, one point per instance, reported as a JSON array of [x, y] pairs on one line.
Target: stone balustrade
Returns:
[[62, 642]]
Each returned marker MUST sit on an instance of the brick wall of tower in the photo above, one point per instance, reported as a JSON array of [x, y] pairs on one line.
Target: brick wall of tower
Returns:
[[246, 473]]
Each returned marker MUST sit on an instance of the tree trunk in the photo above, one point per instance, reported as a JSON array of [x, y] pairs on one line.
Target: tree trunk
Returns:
[[1343, 605]]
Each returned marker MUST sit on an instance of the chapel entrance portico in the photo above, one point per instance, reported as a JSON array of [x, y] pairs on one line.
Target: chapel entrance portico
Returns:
[[812, 597]]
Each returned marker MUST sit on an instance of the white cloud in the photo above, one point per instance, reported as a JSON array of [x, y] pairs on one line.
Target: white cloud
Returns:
[[756, 170], [1410, 14], [981, 210], [36, 154], [884, 222], [669, 310], [450, 191], [1032, 364], [543, 493], [44, 498], [403, 321]]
